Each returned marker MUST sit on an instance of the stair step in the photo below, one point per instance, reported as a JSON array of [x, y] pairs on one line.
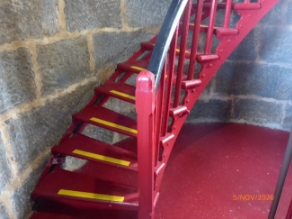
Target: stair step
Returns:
[[220, 31], [76, 210], [86, 148], [235, 6], [43, 215], [108, 119], [119, 90], [189, 84], [64, 186], [207, 58], [134, 67], [150, 46], [247, 6]]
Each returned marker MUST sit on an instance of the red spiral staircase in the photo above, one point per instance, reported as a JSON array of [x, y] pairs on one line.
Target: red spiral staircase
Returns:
[[122, 180]]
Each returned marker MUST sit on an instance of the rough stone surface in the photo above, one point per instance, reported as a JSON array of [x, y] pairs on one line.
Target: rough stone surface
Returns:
[[258, 112], [275, 45], [275, 16], [246, 50], [288, 118], [35, 131], [63, 63], [98, 133], [21, 197], [211, 110], [141, 13], [89, 14], [23, 19], [3, 212], [4, 167], [288, 12], [119, 106], [112, 48], [269, 81], [17, 78]]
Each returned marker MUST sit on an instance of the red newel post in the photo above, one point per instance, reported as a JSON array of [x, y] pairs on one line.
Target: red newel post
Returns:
[[145, 97]]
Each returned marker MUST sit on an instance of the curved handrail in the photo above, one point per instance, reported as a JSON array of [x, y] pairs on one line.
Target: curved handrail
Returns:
[[164, 38]]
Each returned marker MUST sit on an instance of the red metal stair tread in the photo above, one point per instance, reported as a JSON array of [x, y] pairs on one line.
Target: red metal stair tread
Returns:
[[63, 185], [72, 209], [220, 31], [135, 67], [119, 90], [43, 215], [84, 147], [108, 119]]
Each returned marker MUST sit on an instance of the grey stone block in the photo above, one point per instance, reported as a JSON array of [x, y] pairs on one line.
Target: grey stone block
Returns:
[[4, 167], [112, 48], [246, 50], [3, 212], [63, 63], [21, 197], [146, 13], [278, 15], [23, 19], [288, 118], [216, 110], [288, 12], [89, 14], [119, 106], [269, 81], [17, 78], [275, 45], [98, 133], [258, 112], [33, 132]]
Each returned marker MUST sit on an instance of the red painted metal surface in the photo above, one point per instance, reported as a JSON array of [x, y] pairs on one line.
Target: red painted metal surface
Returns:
[[145, 105], [289, 213], [160, 116]]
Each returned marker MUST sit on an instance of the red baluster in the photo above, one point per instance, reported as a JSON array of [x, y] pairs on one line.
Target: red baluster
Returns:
[[195, 40], [212, 19], [169, 78], [145, 102], [289, 213], [183, 45], [227, 14]]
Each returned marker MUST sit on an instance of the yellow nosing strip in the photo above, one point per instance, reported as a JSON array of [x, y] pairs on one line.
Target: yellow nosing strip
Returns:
[[138, 68], [123, 94], [124, 128], [102, 158], [91, 195]]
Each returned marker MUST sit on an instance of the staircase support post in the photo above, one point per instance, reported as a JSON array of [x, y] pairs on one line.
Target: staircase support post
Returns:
[[145, 105]]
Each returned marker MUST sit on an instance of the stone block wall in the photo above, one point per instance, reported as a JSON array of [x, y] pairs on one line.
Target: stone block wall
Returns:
[[254, 86], [52, 54]]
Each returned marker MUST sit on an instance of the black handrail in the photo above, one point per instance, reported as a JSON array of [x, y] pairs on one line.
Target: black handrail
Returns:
[[164, 38]]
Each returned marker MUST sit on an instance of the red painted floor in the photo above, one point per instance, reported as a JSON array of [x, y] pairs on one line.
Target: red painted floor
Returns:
[[224, 171]]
